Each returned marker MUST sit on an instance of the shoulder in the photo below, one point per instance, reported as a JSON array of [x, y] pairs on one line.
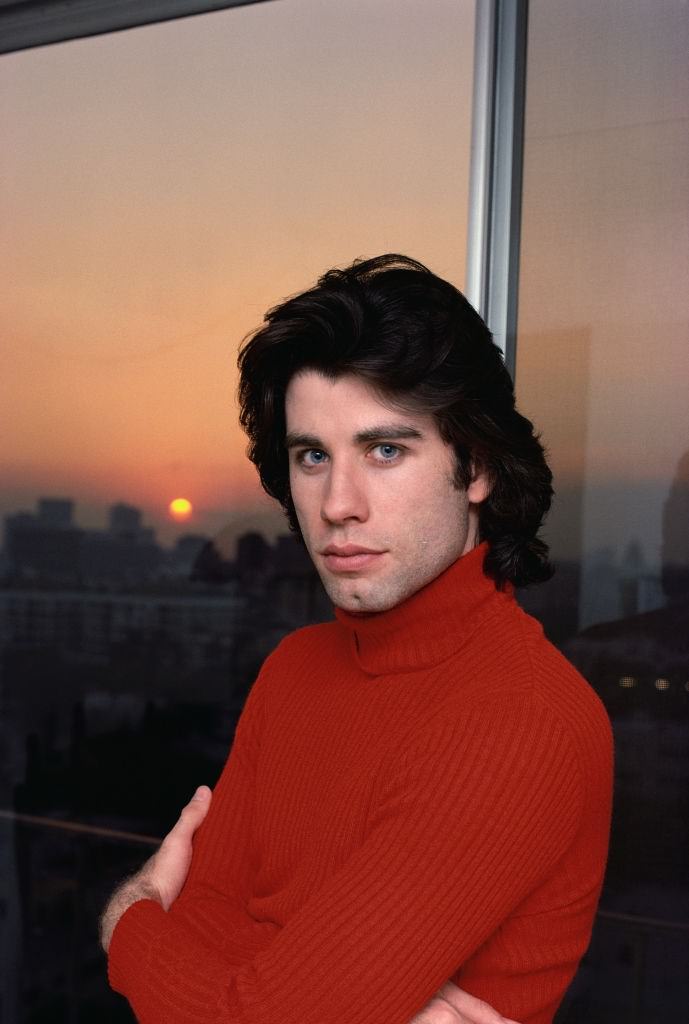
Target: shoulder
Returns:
[[304, 642], [562, 704], [519, 659], [519, 688], [300, 654], [559, 686]]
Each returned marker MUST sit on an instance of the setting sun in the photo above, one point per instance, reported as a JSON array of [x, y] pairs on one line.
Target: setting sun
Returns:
[[180, 509]]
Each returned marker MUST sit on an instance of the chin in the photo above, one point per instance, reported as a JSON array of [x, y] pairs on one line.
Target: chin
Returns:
[[362, 602]]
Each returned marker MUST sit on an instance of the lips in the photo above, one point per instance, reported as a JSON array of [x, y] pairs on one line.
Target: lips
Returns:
[[350, 557], [348, 549]]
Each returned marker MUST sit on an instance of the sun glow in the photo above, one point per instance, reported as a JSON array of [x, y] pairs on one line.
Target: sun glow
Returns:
[[180, 509]]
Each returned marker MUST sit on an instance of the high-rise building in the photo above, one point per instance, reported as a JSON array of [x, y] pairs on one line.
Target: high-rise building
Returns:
[[55, 512], [124, 520]]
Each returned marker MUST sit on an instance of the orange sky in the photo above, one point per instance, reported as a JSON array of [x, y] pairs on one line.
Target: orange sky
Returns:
[[163, 187]]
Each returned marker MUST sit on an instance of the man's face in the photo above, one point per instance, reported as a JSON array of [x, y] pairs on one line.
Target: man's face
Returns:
[[374, 492]]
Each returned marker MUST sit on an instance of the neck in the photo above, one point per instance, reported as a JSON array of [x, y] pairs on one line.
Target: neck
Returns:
[[431, 624]]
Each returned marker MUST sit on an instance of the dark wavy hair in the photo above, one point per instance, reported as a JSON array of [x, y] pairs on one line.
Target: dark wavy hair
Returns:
[[414, 338]]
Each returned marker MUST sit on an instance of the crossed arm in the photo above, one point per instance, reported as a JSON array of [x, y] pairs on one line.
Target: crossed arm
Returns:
[[330, 961], [163, 875]]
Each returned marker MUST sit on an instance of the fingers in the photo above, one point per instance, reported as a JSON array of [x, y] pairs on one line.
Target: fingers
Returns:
[[472, 1009], [439, 1012], [193, 813], [170, 864], [452, 1005]]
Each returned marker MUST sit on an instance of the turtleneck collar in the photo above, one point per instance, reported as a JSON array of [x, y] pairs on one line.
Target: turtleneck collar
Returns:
[[431, 624]]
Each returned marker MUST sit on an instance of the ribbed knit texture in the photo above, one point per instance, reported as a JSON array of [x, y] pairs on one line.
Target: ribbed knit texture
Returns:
[[412, 796]]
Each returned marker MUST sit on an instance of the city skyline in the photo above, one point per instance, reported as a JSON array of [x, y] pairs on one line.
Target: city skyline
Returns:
[[223, 525]]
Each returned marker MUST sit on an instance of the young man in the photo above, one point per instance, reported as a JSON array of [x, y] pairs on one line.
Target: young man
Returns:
[[418, 795]]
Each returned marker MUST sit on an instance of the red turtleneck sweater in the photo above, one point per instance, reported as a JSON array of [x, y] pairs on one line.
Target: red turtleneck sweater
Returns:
[[412, 796]]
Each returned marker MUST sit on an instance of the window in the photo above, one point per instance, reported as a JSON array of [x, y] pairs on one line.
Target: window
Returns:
[[602, 369], [162, 188]]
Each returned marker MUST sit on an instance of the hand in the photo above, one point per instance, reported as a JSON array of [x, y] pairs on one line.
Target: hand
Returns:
[[452, 1005], [162, 876]]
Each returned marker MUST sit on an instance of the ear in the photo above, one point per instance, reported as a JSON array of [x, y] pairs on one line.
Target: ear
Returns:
[[479, 488]]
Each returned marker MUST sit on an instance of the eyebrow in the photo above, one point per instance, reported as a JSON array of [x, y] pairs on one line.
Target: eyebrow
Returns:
[[379, 432]]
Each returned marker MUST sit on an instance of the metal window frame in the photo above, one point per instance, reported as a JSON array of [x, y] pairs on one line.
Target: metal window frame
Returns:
[[495, 180], [29, 23]]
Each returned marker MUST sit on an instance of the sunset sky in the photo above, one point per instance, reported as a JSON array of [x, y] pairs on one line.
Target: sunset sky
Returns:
[[162, 187]]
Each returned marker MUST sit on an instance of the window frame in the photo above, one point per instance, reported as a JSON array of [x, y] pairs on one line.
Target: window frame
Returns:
[[28, 23]]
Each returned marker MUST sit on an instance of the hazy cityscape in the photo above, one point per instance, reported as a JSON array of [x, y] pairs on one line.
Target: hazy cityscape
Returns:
[[125, 664], [123, 668]]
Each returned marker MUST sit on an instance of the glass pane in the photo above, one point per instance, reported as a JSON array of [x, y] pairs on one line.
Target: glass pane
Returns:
[[602, 368], [161, 189]]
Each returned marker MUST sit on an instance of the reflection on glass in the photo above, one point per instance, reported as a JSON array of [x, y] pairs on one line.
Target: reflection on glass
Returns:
[[161, 189], [602, 368]]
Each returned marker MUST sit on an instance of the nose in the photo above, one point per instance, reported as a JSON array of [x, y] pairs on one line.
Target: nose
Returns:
[[344, 495]]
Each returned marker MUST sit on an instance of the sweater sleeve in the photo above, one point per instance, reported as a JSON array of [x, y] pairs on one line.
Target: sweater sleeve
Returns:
[[214, 894], [466, 822]]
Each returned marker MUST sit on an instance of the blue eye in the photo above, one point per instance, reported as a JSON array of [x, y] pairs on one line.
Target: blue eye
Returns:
[[312, 457], [389, 452]]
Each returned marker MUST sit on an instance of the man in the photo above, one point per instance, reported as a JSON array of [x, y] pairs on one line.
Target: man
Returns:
[[417, 802]]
